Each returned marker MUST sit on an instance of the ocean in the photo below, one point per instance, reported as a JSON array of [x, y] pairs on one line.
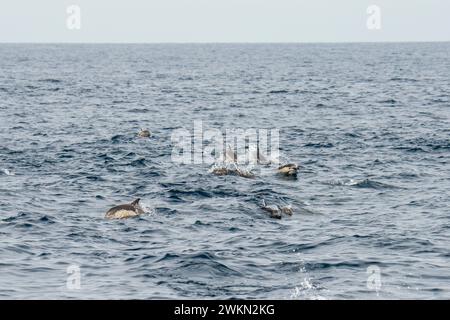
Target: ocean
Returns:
[[368, 125]]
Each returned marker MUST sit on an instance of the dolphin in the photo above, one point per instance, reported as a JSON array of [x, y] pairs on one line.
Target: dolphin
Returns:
[[289, 170], [276, 211], [144, 133], [124, 211], [273, 211]]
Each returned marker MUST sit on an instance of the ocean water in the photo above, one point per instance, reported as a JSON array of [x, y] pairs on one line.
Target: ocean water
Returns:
[[369, 125]]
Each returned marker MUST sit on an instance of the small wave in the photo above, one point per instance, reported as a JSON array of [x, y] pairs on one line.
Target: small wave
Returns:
[[50, 80], [166, 257], [199, 192], [120, 138], [365, 183], [400, 79], [105, 157], [138, 162], [424, 145], [408, 175], [28, 220], [136, 110], [201, 223], [278, 91], [94, 178], [410, 149], [388, 101], [205, 262], [352, 135], [320, 145], [186, 78]]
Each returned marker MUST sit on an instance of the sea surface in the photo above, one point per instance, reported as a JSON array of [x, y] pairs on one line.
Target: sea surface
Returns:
[[368, 124]]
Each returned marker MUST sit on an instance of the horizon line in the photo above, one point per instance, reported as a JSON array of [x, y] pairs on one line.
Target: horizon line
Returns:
[[232, 42]]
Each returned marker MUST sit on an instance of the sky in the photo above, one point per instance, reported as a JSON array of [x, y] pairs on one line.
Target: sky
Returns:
[[161, 21]]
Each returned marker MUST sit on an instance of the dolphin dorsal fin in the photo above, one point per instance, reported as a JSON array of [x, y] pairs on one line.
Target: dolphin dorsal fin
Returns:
[[136, 202]]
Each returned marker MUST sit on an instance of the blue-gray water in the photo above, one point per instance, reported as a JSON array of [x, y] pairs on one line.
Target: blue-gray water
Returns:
[[369, 124]]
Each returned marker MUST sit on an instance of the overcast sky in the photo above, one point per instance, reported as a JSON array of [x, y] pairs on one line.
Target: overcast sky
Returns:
[[224, 21]]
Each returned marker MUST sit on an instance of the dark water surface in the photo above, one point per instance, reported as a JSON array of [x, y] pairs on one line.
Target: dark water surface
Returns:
[[368, 123]]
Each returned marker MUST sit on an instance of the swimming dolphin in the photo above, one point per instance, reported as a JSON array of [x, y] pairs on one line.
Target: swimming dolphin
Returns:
[[144, 133], [233, 170], [273, 211], [124, 211], [276, 211], [287, 210], [289, 170], [220, 171]]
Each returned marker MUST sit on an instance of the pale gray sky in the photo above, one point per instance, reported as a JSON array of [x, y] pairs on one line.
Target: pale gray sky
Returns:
[[224, 21]]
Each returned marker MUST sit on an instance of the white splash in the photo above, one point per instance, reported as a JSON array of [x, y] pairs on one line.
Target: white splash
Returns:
[[8, 172], [147, 207], [307, 289]]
